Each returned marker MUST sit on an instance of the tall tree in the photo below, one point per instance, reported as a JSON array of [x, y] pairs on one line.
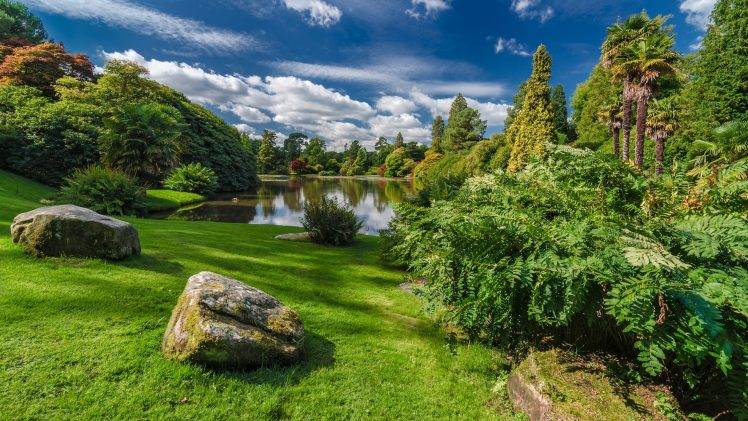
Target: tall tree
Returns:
[[18, 24], [621, 36], [560, 114], [315, 152], [42, 65], [647, 62], [533, 127], [464, 127], [293, 145], [519, 96], [662, 122], [437, 134], [609, 114], [587, 100], [399, 140], [382, 148], [266, 157]]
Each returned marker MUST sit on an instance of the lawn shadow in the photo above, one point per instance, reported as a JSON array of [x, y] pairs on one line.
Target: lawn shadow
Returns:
[[319, 353], [152, 263]]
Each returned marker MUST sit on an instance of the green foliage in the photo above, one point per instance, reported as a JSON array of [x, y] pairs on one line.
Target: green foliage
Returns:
[[568, 248], [142, 140], [268, 156], [17, 22], [193, 178], [590, 96], [330, 222], [464, 127], [558, 106], [437, 134], [314, 153], [517, 100], [533, 126], [105, 191], [398, 163]]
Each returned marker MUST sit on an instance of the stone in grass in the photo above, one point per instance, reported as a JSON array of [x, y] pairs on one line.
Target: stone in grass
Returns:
[[74, 231], [222, 323], [296, 236], [555, 385]]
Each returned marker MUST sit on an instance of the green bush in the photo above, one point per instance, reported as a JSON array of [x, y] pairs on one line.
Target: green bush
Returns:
[[193, 178], [330, 222], [105, 191]]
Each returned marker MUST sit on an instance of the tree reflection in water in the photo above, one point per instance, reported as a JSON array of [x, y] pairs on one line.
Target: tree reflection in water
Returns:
[[280, 200]]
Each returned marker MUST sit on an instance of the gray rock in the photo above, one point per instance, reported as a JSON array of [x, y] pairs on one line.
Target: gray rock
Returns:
[[296, 236], [74, 231], [221, 322]]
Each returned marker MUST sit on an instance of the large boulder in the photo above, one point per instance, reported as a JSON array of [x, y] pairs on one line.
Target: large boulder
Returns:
[[74, 231], [223, 323]]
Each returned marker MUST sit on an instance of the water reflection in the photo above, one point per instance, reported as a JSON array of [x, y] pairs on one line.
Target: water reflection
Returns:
[[280, 201]]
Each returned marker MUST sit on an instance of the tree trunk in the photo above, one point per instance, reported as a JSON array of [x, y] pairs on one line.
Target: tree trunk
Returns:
[[659, 153], [641, 128], [616, 141], [626, 120]]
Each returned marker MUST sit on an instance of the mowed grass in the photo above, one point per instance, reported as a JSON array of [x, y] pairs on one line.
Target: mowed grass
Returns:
[[159, 200], [80, 339]]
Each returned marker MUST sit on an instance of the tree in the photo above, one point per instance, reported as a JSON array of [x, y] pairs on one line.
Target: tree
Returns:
[[533, 127], [519, 96], [609, 114], [42, 65], [464, 127], [621, 36], [662, 122], [315, 152], [382, 148], [560, 115], [437, 134], [399, 141], [360, 164], [293, 145], [267, 157], [588, 98], [141, 140], [646, 62], [16, 22]]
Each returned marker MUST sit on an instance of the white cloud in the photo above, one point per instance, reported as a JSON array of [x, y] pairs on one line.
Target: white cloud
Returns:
[[320, 13], [511, 46], [245, 128], [408, 124], [247, 114], [697, 11], [532, 9], [395, 105], [427, 7], [494, 113], [148, 21]]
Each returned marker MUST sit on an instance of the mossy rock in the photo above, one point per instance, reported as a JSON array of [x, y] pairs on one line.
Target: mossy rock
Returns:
[[556, 385], [73, 231], [223, 323]]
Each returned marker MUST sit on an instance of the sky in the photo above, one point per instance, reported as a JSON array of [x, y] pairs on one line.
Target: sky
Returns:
[[352, 69]]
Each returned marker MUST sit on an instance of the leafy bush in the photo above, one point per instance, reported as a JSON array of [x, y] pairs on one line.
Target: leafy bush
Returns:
[[106, 191], [330, 222], [299, 166], [193, 178], [575, 248]]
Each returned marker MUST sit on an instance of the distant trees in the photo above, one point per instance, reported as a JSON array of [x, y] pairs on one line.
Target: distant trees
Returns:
[[267, 156], [464, 126], [533, 126], [437, 134], [18, 25], [560, 114]]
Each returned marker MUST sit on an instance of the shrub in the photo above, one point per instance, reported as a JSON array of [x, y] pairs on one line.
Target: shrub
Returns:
[[298, 166], [105, 191], [330, 222], [193, 178]]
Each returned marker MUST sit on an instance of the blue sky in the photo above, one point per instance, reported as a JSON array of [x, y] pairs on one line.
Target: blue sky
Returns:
[[351, 69]]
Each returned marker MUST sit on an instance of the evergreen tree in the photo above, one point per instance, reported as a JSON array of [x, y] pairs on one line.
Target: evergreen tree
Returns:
[[533, 126], [266, 156], [399, 140], [459, 104], [464, 127], [516, 106], [382, 148], [293, 145], [17, 24], [437, 134], [315, 152], [588, 98], [560, 115]]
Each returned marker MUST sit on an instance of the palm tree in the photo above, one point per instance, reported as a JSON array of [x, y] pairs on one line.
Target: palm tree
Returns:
[[621, 36], [647, 61], [142, 140], [661, 123], [610, 115]]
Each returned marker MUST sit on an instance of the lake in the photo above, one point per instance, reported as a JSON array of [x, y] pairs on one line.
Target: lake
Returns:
[[279, 201]]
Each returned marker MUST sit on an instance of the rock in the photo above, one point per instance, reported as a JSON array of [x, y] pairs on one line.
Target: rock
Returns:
[[556, 385], [296, 236], [223, 323], [74, 231]]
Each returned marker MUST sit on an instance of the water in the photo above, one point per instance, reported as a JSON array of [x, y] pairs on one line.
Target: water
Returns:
[[280, 200]]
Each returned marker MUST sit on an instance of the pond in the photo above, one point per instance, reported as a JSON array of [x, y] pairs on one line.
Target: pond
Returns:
[[279, 201]]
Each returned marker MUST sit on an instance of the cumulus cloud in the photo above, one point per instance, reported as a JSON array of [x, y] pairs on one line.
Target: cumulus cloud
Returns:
[[494, 113], [427, 7], [318, 12], [697, 11], [408, 124], [532, 9], [148, 21], [511, 46], [395, 105]]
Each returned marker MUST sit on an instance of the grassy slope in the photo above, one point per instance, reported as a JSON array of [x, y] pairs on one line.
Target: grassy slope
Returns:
[[164, 200], [80, 338]]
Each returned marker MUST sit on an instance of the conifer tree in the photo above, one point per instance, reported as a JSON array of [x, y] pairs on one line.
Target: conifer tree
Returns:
[[533, 127], [464, 127], [516, 106], [399, 140], [266, 155], [560, 115], [437, 134]]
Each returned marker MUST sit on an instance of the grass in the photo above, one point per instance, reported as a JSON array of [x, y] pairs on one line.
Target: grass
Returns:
[[166, 200], [80, 339]]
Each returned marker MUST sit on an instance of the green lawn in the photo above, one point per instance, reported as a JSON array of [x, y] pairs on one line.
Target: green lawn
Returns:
[[165, 200], [81, 338]]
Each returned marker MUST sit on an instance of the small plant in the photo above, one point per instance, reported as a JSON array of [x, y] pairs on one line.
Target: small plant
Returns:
[[329, 222], [193, 178], [103, 190]]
